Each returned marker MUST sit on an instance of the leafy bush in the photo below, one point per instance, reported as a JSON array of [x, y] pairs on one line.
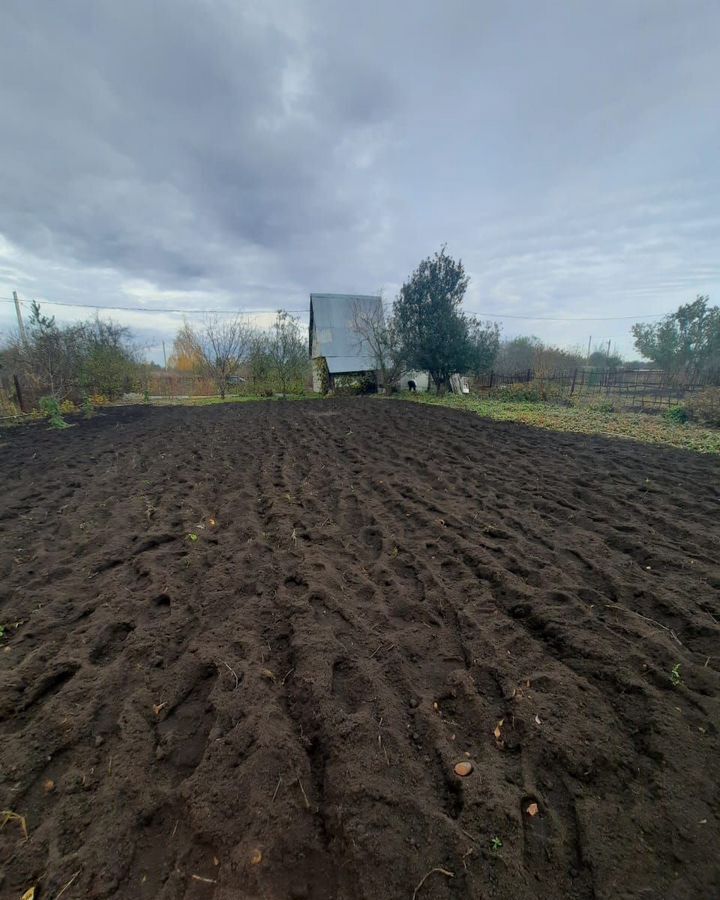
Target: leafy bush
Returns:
[[323, 373], [535, 391], [8, 406], [676, 414], [351, 385], [522, 353], [73, 361], [51, 408], [704, 406]]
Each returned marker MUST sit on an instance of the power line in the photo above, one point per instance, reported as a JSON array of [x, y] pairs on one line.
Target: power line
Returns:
[[568, 318], [156, 309], [262, 310], [495, 315]]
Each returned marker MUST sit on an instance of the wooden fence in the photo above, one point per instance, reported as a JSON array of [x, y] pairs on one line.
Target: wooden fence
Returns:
[[640, 388], [20, 394], [643, 389], [180, 384]]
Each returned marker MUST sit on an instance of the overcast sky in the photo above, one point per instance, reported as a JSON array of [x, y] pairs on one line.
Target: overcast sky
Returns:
[[230, 154]]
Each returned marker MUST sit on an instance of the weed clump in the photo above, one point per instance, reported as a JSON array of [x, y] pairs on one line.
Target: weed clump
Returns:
[[536, 391], [677, 414], [51, 409]]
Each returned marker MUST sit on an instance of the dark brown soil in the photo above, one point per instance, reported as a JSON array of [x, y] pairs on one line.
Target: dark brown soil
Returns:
[[245, 647]]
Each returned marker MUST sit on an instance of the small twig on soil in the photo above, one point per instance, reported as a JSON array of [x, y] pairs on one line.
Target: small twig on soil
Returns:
[[381, 647], [205, 880], [277, 788], [307, 802], [471, 836], [427, 875], [287, 675], [177, 822], [646, 618], [67, 886], [232, 672], [380, 743]]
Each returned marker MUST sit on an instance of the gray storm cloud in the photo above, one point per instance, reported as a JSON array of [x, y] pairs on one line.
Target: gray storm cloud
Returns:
[[248, 153]]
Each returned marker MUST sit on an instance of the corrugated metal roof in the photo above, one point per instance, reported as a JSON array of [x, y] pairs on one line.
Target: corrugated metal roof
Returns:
[[339, 364], [332, 334]]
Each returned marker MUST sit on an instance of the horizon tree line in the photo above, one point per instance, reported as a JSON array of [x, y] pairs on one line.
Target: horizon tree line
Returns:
[[426, 329]]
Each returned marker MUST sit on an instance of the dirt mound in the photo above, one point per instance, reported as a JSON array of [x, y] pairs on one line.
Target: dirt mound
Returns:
[[246, 646]]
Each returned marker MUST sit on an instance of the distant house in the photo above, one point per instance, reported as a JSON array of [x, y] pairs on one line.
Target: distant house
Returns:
[[335, 343]]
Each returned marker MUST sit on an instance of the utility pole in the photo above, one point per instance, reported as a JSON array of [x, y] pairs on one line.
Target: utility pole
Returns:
[[589, 344], [164, 356], [608, 354], [21, 324]]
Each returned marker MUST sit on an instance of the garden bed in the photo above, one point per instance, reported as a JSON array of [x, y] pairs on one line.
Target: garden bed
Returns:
[[246, 647]]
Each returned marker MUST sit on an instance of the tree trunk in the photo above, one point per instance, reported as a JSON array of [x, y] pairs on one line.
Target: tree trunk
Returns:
[[18, 394]]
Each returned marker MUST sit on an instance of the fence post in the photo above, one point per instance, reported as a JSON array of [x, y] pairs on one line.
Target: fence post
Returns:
[[529, 375], [572, 386], [18, 393], [491, 378]]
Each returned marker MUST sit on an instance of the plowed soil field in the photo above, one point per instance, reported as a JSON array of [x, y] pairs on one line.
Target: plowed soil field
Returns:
[[246, 646]]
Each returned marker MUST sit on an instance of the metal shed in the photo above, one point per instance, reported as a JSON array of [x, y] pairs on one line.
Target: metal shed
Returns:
[[333, 338]]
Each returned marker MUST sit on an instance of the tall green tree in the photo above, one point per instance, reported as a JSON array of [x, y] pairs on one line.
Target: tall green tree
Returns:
[[259, 363], [687, 340], [484, 340], [433, 330]]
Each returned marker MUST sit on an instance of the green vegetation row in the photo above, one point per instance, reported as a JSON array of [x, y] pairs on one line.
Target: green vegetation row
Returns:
[[599, 419], [671, 429]]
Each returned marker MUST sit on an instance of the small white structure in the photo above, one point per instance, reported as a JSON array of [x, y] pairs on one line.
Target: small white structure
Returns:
[[459, 384], [421, 380]]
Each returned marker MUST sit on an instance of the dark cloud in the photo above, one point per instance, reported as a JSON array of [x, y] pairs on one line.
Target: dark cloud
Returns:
[[249, 152]]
